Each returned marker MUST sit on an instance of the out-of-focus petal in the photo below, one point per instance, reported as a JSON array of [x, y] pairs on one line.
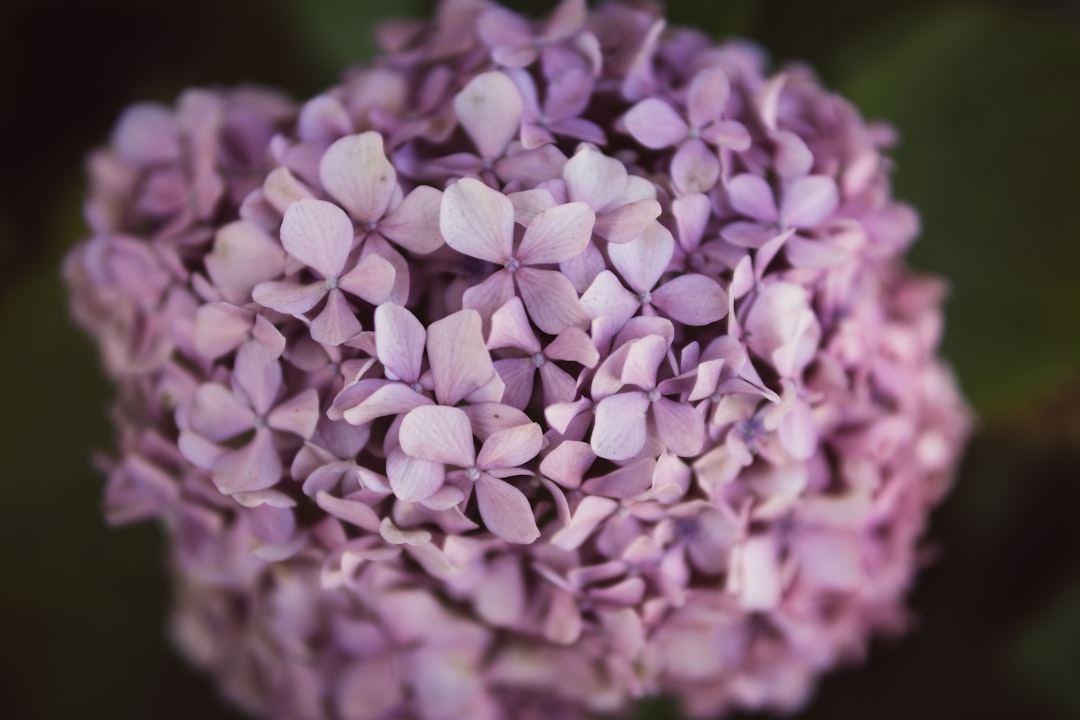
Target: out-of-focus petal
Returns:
[[807, 201], [750, 195], [655, 124]]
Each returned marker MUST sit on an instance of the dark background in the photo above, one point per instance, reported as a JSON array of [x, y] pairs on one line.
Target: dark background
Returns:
[[987, 100]]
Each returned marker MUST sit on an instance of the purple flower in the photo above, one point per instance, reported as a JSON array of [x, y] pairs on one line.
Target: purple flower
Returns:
[[472, 422]]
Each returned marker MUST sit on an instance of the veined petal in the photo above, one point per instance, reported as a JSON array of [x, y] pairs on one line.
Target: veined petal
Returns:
[[644, 259], [692, 299], [510, 328], [460, 363], [505, 510], [655, 124], [680, 426], [413, 479], [557, 234], [439, 434], [414, 224], [399, 341], [217, 414], [356, 173], [575, 345], [626, 222], [386, 398], [567, 463], [511, 447], [372, 279], [519, 376], [477, 221], [490, 295], [489, 109], [288, 297], [620, 427], [607, 297], [643, 358], [551, 300], [298, 415], [318, 234], [256, 466], [336, 322]]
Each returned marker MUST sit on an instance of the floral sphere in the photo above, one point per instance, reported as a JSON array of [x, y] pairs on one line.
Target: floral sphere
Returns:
[[535, 368]]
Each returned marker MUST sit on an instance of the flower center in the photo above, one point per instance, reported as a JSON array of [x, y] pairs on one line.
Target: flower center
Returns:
[[260, 422], [538, 360], [473, 473], [645, 297], [417, 387], [693, 133], [654, 395], [331, 283], [513, 264], [371, 225]]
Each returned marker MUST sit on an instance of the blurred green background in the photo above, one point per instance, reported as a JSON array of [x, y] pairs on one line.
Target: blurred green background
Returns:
[[987, 100]]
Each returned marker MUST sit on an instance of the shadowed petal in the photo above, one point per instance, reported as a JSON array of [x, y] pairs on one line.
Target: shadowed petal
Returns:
[[477, 221], [356, 173], [490, 295], [619, 429], [505, 510], [460, 363], [256, 466], [386, 398], [500, 598], [557, 234], [519, 376], [244, 255], [625, 223], [439, 434], [318, 234], [625, 482], [643, 358], [257, 375], [399, 341], [655, 124], [489, 108], [695, 167], [692, 299], [589, 513]]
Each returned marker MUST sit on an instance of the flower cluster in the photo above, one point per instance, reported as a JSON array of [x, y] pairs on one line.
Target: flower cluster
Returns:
[[535, 368]]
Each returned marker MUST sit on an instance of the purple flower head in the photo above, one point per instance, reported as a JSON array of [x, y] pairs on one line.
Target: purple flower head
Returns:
[[534, 369]]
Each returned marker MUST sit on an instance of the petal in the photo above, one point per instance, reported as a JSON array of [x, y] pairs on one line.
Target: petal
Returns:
[[644, 259], [489, 417], [505, 510], [147, 134], [680, 426], [750, 195], [439, 434], [692, 299], [256, 466], [413, 479], [625, 223], [707, 96], [594, 178], [356, 513], [625, 482], [510, 448], [551, 300], [336, 322], [695, 168], [281, 189], [500, 598], [414, 224], [748, 234], [655, 124], [385, 398], [782, 328], [477, 221], [288, 297], [567, 463], [727, 133], [643, 358], [460, 363], [489, 109], [220, 328], [490, 295], [519, 375], [574, 345], [217, 414], [759, 581], [298, 415], [607, 297], [318, 234], [809, 200], [257, 375], [356, 173], [559, 385], [793, 158], [399, 341], [619, 429], [510, 328], [244, 255], [372, 279], [557, 234]]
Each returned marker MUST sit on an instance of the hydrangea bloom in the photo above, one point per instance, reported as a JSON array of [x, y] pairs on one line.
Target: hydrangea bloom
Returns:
[[536, 368]]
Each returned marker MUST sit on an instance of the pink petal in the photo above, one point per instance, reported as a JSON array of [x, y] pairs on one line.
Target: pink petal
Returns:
[[574, 345], [626, 222], [377, 245], [439, 434], [519, 375], [356, 173], [619, 429], [587, 516], [793, 158], [147, 134], [489, 109], [748, 234], [760, 583], [268, 336], [510, 448], [750, 195], [399, 341], [809, 200], [727, 134], [414, 224], [337, 322], [490, 295], [695, 168], [298, 415], [707, 96], [281, 189], [505, 510], [625, 482], [318, 234], [644, 259], [244, 255], [356, 513], [216, 414], [413, 479], [782, 328], [220, 328], [594, 178], [680, 426], [692, 213], [288, 297], [551, 300], [488, 418], [655, 124], [257, 375], [372, 279], [607, 297], [379, 399], [643, 358], [498, 27], [692, 299], [557, 234], [256, 466], [567, 463], [559, 385], [477, 221], [460, 363], [510, 328], [567, 18], [501, 598]]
